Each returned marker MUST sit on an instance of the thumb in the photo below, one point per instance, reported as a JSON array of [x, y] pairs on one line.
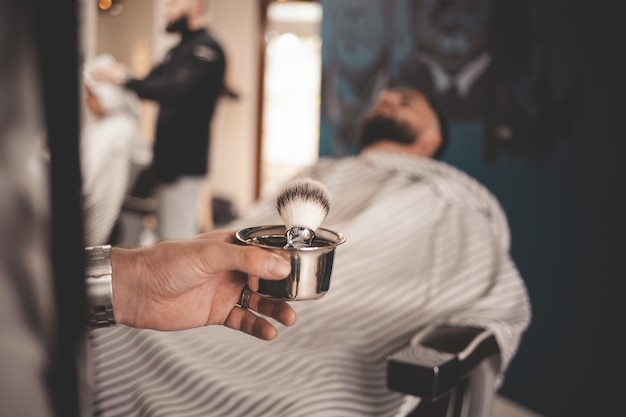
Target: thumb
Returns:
[[257, 262]]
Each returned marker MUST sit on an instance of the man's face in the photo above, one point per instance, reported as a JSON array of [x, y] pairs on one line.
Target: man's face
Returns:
[[405, 106], [401, 115]]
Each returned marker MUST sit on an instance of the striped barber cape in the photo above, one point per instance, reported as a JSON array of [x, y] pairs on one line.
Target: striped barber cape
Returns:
[[425, 244]]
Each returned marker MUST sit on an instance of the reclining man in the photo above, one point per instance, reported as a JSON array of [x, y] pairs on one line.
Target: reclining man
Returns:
[[426, 244]]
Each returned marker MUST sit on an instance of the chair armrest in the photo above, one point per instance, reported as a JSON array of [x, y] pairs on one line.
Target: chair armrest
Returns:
[[438, 359]]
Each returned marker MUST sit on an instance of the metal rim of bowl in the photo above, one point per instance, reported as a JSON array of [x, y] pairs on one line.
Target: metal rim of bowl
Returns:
[[244, 236]]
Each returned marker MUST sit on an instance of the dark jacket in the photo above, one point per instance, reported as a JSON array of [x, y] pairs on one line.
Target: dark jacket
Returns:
[[186, 85]]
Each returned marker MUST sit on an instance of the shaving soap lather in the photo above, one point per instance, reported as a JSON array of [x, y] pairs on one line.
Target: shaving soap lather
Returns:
[[303, 205]]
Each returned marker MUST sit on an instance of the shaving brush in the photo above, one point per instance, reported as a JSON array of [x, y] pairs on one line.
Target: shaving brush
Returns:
[[303, 204]]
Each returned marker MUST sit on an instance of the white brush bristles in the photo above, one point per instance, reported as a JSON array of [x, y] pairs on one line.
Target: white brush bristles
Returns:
[[303, 202]]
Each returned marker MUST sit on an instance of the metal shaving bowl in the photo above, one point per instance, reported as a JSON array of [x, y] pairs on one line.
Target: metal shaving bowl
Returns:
[[311, 266]]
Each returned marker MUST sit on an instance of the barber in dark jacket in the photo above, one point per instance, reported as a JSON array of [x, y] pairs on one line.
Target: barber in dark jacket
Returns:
[[187, 86]]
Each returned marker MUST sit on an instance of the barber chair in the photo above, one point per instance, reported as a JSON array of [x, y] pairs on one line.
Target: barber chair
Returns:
[[138, 207], [447, 371], [134, 221]]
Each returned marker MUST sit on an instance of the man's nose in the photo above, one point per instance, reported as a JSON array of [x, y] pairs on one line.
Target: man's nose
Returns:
[[385, 101]]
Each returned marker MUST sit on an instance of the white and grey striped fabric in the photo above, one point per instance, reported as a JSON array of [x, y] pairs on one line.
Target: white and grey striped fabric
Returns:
[[113, 153], [425, 244]]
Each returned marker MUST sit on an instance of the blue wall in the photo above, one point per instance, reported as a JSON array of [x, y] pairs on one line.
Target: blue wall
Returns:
[[567, 227], [567, 217]]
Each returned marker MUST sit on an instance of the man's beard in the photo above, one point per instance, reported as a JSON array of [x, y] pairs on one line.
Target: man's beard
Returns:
[[377, 128], [179, 25]]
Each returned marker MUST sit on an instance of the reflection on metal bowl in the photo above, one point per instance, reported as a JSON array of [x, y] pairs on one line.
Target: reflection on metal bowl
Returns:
[[311, 266]]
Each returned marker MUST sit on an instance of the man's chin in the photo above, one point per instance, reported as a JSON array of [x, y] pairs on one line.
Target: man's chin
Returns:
[[179, 25], [379, 127], [171, 29]]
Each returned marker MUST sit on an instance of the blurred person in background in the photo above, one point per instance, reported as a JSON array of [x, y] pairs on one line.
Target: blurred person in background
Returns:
[[187, 86], [113, 152]]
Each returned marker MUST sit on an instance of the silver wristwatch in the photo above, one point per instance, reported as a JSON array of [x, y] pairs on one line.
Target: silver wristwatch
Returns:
[[98, 278]]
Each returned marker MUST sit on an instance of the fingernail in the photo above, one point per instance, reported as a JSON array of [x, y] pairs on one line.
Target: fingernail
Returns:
[[279, 267]]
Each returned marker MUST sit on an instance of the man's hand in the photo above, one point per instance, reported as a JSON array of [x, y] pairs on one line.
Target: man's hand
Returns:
[[182, 284]]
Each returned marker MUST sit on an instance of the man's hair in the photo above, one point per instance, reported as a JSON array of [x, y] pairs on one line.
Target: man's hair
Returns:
[[376, 129]]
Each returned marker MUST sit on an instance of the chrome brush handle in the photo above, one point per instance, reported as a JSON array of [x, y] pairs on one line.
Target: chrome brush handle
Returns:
[[299, 237]]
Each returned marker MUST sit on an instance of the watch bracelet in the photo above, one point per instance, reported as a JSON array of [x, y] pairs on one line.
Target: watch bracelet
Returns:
[[101, 316], [98, 277]]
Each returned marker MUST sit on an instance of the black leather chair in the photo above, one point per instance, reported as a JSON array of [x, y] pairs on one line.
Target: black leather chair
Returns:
[[137, 206], [451, 370]]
